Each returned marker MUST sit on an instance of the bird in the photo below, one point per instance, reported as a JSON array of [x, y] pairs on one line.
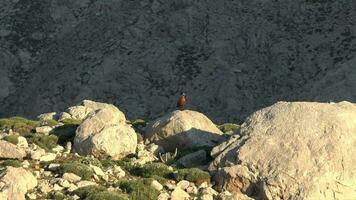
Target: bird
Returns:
[[182, 101]]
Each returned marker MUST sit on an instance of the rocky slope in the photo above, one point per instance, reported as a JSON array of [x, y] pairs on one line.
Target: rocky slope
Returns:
[[230, 57]]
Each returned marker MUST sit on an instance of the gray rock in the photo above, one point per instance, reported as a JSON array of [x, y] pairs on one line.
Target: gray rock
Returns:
[[9, 150], [105, 133], [17, 182], [183, 129], [193, 159], [296, 150]]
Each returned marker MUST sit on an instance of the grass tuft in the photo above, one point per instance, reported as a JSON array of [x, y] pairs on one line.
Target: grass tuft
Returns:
[[140, 189], [77, 168], [195, 175], [20, 125], [14, 139]]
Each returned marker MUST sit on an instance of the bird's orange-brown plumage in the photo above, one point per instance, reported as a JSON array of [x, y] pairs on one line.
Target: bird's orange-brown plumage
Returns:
[[181, 101]]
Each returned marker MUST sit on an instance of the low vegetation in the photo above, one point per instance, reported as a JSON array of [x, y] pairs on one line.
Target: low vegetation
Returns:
[[139, 189], [152, 170], [12, 139], [193, 175], [229, 128], [77, 168], [99, 193], [19, 124], [12, 163], [46, 142]]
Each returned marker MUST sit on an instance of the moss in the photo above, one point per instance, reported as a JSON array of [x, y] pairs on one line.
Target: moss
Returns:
[[19, 125], [97, 192], [85, 192], [46, 142], [192, 175], [12, 139], [140, 189], [108, 195], [155, 170], [229, 128], [13, 163], [139, 123], [127, 165], [91, 161], [71, 121], [77, 168]]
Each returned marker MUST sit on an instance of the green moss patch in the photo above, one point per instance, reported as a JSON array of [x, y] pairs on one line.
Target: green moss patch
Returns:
[[98, 193], [49, 122], [77, 168], [152, 170], [12, 163], [192, 175], [14, 139], [46, 142], [140, 189], [71, 121], [229, 127], [19, 124]]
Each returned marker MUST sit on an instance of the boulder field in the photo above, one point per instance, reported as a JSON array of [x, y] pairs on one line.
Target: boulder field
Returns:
[[289, 150]]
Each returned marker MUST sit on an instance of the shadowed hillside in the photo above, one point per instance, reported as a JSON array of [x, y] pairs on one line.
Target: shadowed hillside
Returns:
[[230, 57]]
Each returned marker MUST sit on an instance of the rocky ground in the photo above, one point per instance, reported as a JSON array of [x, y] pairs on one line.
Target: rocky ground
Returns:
[[51, 158], [230, 57], [290, 150]]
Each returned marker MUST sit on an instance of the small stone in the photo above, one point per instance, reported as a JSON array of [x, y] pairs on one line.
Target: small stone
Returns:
[[37, 154], [64, 115], [72, 187], [183, 184], [31, 196], [72, 178], [179, 194], [37, 174], [68, 148], [64, 183], [85, 183], [155, 184], [75, 197], [163, 196], [119, 172], [48, 157], [47, 116], [192, 189], [22, 142], [44, 130], [25, 164], [56, 187], [58, 149], [53, 166], [44, 187], [47, 173]]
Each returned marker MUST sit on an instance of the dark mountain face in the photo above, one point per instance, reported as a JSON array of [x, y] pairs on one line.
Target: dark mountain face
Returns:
[[230, 57]]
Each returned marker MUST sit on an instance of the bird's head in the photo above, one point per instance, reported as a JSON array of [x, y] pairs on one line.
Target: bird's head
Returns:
[[183, 94]]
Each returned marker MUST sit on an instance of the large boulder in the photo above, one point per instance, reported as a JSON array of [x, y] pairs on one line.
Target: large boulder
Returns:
[[183, 129], [292, 151], [8, 150], [15, 183], [81, 111], [104, 133]]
